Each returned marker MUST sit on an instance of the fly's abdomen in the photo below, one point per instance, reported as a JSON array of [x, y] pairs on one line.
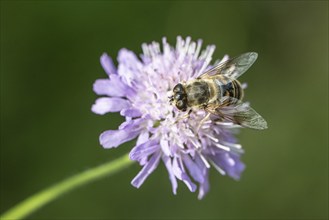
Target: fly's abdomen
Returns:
[[232, 89], [229, 88]]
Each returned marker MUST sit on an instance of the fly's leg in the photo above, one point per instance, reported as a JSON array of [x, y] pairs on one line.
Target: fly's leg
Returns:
[[187, 115], [202, 121]]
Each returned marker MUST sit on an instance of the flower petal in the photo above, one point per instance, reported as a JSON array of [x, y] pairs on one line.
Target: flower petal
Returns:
[[143, 137], [229, 162], [181, 174], [148, 168], [129, 66], [108, 64], [204, 187], [165, 147], [132, 124], [131, 112], [105, 105], [168, 164], [129, 59], [113, 138], [193, 169], [112, 87], [143, 150]]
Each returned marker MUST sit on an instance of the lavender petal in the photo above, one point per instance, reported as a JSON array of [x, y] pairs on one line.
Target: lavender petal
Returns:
[[193, 168], [165, 147], [230, 163], [132, 124], [204, 186], [143, 137], [113, 138], [143, 150], [167, 161], [129, 66], [112, 87], [148, 168], [105, 105], [181, 174], [131, 112], [108, 64]]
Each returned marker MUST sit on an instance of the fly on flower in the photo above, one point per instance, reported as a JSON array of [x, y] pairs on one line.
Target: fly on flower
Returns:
[[187, 144], [218, 92]]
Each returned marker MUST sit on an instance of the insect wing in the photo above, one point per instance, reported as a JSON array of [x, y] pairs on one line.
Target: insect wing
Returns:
[[232, 68], [238, 113]]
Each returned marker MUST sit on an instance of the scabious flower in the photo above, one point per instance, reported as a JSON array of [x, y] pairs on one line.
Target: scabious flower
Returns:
[[139, 89]]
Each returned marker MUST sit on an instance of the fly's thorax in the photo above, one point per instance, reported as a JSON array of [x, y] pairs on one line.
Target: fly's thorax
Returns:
[[198, 92]]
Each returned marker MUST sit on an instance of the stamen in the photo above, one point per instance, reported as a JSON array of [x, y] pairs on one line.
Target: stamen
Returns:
[[212, 138], [204, 160], [145, 50], [223, 147], [156, 47], [207, 56], [206, 126], [220, 170], [179, 43], [196, 144], [166, 47], [237, 146], [191, 49], [187, 43], [180, 145], [198, 48]]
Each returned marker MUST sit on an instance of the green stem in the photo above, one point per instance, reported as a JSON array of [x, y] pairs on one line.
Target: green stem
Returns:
[[38, 200]]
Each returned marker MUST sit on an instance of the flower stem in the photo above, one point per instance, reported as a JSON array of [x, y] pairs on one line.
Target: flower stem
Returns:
[[40, 199]]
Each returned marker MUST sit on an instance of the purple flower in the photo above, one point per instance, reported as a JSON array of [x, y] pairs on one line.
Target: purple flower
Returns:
[[139, 89]]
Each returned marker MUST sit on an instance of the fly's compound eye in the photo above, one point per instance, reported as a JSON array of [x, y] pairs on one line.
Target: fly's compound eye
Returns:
[[178, 96], [178, 88], [181, 105]]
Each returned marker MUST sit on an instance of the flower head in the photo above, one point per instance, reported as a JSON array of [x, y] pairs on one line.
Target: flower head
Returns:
[[139, 89]]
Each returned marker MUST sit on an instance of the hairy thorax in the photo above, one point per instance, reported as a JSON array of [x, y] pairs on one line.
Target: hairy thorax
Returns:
[[198, 93]]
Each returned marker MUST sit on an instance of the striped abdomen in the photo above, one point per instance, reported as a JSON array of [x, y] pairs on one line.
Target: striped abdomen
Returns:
[[229, 88]]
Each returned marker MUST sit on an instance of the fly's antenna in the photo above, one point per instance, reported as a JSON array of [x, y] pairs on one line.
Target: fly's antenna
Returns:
[[171, 99]]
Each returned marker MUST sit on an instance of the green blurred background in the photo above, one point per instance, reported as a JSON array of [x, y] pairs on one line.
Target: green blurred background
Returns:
[[50, 58]]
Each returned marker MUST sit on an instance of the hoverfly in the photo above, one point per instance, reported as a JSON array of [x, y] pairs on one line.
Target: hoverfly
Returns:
[[218, 92]]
